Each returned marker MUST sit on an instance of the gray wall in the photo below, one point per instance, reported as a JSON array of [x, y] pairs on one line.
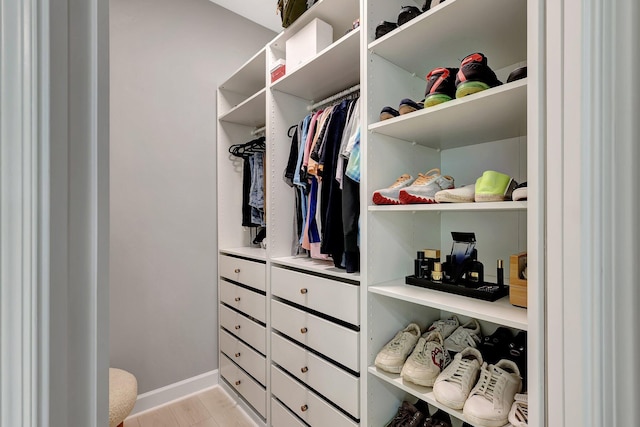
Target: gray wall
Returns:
[[167, 58]]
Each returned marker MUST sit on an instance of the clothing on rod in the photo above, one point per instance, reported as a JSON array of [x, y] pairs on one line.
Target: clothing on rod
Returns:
[[326, 215]]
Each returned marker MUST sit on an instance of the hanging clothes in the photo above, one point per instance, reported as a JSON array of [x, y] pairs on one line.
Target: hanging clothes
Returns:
[[316, 166]]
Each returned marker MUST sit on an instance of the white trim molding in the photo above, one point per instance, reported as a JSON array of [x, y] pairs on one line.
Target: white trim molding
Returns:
[[20, 275], [180, 390], [593, 105]]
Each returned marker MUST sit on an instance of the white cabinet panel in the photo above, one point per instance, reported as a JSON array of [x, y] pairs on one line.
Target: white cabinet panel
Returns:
[[331, 297], [306, 404], [336, 342], [250, 273], [327, 379], [247, 358], [243, 328], [244, 300], [281, 417], [252, 391]]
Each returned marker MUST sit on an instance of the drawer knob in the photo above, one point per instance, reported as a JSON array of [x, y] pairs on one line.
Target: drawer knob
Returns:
[[237, 327], [303, 291], [237, 270], [237, 354], [238, 382], [303, 330], [304, 408], [304, 370], [237, 299]]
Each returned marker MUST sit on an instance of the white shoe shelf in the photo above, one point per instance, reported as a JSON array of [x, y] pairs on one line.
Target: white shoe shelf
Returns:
[[490, 130]]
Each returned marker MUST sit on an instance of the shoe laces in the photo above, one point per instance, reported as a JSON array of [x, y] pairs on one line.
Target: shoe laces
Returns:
[[489, 384], [401, 180], [463, 337], [463, 366], [397, 343], [403, 417], [424, 179], [521, 408]]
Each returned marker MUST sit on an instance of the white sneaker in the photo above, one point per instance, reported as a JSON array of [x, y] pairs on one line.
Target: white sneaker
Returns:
[[454, 384], [445, 326], [467, 335], [395, 352], [519, 414], [426, 362], [466, 194], [490, 400]]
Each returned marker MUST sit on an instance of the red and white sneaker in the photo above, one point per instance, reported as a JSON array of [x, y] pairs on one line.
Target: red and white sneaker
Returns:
[[425, 187], [389, 195]]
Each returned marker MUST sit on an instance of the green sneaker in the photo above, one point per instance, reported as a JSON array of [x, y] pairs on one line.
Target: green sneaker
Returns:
[[494, 186]]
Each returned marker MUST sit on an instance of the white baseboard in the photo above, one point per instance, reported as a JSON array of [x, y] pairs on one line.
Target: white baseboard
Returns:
[[161, 396]]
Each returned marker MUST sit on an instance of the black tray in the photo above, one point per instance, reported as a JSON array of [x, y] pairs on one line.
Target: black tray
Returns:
[[494, 294]]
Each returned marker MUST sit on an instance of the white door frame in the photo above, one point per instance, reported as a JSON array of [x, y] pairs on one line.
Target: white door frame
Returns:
[[54, 134], [593, 206]]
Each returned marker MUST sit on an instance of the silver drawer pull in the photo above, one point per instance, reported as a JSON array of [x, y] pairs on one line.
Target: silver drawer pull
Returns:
[[303, 330], [237, 327], [237, 354], [238, 382], [303, 291], [304, 370], [304, 408], [237, 299], [237, 270]]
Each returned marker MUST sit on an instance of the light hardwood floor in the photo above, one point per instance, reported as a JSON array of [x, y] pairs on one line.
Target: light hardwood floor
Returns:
[[211, 408]]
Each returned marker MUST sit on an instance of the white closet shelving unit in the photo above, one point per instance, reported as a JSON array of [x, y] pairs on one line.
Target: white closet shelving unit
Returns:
[[311, 307], [462, 137]]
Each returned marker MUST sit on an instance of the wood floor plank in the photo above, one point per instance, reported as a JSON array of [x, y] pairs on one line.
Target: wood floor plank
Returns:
[[223, 409], [189, 411], [131, 422], [161, 417], [209, 422]]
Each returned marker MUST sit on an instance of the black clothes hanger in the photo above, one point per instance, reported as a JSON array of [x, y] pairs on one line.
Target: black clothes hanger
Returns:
[[248, 148]]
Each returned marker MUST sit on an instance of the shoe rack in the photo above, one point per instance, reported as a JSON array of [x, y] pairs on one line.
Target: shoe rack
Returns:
[[323, 327], [463, 137]]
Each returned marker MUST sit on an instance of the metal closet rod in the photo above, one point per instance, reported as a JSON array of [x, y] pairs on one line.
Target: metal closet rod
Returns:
[[258, 131], [332, 98]]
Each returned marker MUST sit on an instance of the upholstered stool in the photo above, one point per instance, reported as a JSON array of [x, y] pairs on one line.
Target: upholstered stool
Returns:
[[123, 392]]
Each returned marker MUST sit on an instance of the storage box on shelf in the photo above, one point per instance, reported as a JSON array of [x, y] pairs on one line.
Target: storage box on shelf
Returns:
[[463, 138]]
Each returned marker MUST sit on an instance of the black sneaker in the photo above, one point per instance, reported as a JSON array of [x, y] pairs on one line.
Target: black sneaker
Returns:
[[438, 419], [517, 74], [407, 14], [518, 353], [409, 106], [496, 346], [475, 76], [441, 86], [407, 416], [388, 113], [385, 27], [427, 5]]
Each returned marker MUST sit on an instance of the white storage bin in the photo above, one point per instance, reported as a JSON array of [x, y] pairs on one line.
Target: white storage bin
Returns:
[[306, 43]]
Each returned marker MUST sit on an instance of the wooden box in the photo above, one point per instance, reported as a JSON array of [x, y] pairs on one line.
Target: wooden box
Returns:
[[517, 285]]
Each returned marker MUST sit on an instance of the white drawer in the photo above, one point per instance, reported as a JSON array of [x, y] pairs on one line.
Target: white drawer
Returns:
[[243, 328], [250, 273], [247, 358], [249, 302], [282, 417], [252, 391], [327, 379], [305, 403], [331, 297], [334, 341]]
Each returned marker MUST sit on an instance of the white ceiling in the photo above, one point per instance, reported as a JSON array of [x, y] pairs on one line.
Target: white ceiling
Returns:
[[262, 12]]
